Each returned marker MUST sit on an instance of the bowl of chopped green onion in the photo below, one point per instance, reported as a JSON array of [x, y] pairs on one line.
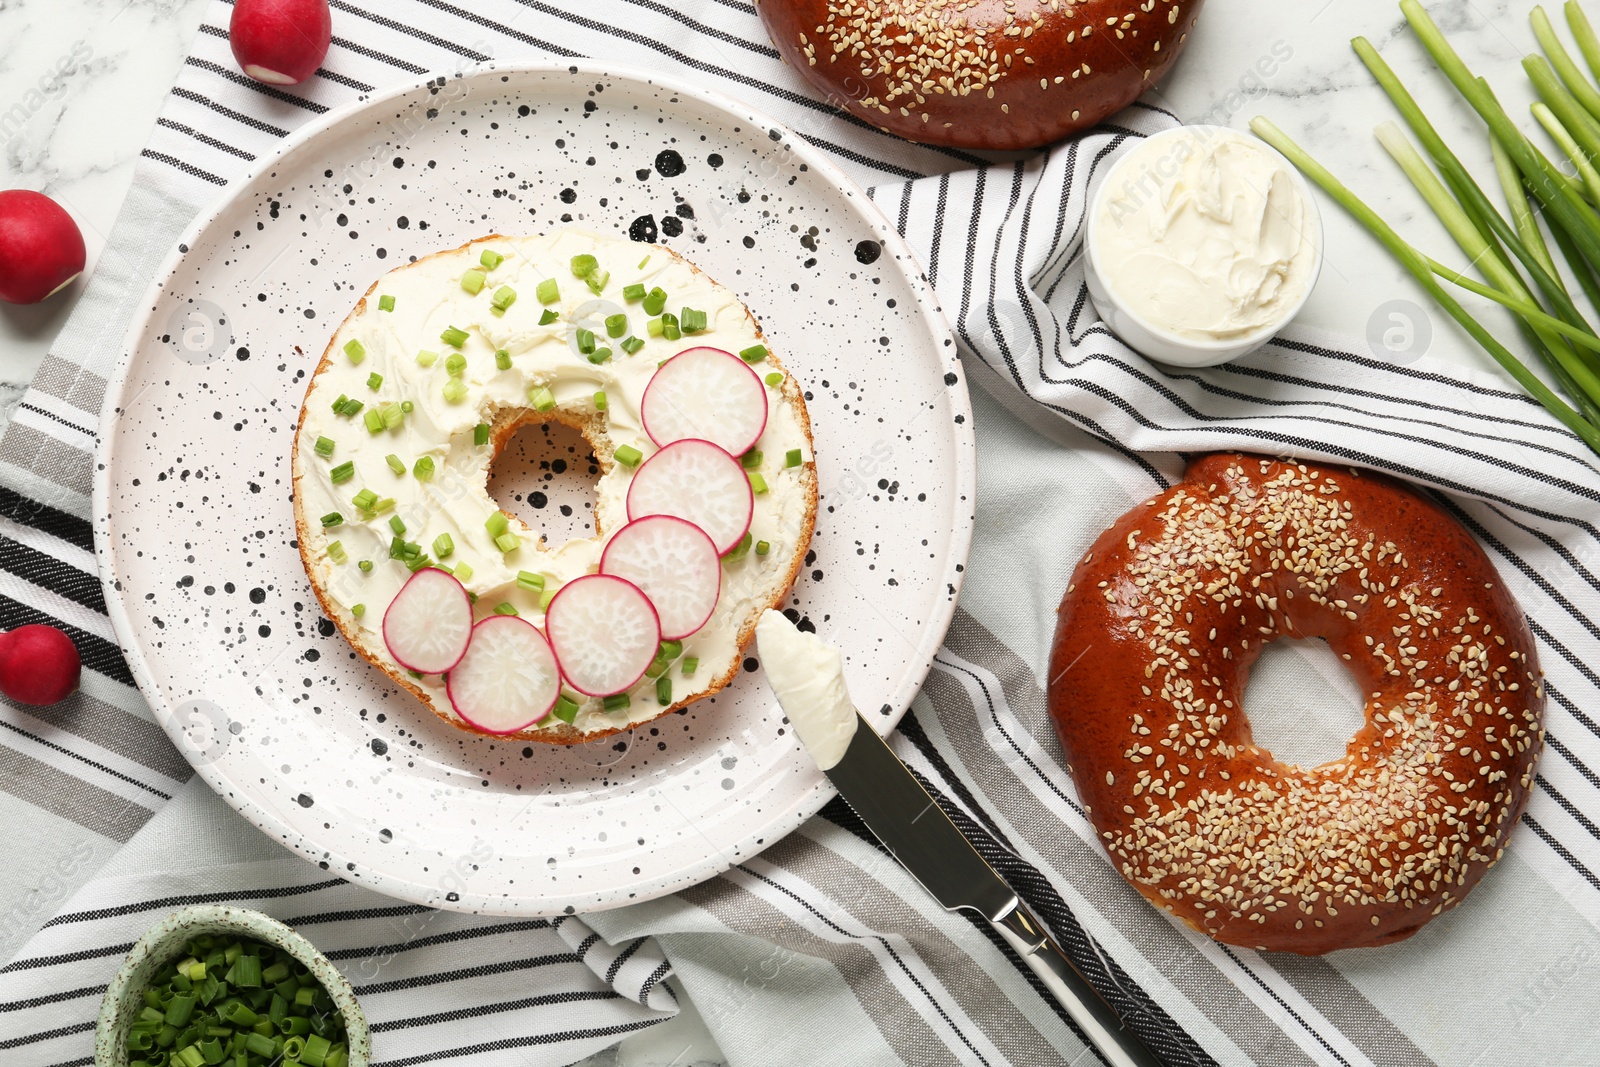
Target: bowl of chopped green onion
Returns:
[[219, 986]]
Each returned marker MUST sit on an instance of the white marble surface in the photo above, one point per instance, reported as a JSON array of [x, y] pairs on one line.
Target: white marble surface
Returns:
[[78, 137]]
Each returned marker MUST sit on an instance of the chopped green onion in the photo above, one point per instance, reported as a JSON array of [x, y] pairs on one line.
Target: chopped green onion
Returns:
[[507, 542], [355, 350], [643, 261], [566, 709], [547, 291], [545, 598], [758, 484], [503, 298], [669, 326], [740, 550], [751, 459], [793, 458], [423, 468], [628, 456], [386, 303], [491, 259], [453, 337], [480, 434], [655, 301], [693, 321], [324, 446], [374, 420], [350, 406], [443, 545], [547, 316], [397, 524], [530, 581], [366, 566], [343, 472], [455, 391], [358, 610], [654, 327], [383, 505], [393, 415], [374, 381], [472, 281], [596, 281], [541, 398], [753, 354], [317, 1048], [505, 608], [364, 500], [775, 378], [631, 345], [497, 524], [618, 702], [395, 463], [763, 547], [582, 265], [585, 340], [599, 355], [664, 691], [600, 401], [616, 325], [179, 1009], [633, 292], [464, 572], [455, 364], [426, 358]]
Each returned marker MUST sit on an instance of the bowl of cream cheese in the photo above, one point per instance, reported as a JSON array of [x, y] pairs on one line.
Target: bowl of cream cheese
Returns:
[[1203, 242]]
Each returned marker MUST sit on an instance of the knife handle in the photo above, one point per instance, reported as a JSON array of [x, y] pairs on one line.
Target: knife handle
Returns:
[[1120, 1046]]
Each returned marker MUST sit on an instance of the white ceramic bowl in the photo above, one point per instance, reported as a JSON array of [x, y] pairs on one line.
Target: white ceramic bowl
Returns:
[[124, 996], [1157, 342]]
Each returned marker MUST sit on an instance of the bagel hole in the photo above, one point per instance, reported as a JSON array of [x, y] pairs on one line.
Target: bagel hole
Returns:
[[545, 476], [1302, 702]]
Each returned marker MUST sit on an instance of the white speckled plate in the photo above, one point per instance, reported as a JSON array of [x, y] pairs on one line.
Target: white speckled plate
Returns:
[[195, 528]]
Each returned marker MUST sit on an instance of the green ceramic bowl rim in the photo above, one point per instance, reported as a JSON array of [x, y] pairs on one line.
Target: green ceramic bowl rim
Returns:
[[160, 944]]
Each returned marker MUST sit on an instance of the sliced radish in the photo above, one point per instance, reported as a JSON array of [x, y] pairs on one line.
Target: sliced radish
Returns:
[[708, 394], [508, 679], [429, 623], [605, 633], [674, 563], [700, 483]]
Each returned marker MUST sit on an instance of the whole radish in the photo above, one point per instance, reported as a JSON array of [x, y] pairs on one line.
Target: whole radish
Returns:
[[39, 665], [280, 42], [41, 248]]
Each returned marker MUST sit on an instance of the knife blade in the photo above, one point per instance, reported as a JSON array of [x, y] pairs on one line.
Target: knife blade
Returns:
[[902, 815]]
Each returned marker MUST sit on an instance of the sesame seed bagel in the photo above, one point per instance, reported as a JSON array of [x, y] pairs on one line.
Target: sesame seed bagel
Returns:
[[995, 74], [1154, 643]]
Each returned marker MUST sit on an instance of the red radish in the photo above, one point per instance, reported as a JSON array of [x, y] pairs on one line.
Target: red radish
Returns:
[[676, 566], [429, 622], [280, 42], [41, 248], [39, 665], [708, 394], [508, 679], [605, 633], [700, 483]]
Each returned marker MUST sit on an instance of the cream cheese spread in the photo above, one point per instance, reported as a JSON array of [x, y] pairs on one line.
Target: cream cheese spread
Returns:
[[807, 674], [1206, 233], [405, 313]]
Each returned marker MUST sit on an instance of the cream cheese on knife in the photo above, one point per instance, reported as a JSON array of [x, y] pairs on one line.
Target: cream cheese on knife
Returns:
[[807, 674]]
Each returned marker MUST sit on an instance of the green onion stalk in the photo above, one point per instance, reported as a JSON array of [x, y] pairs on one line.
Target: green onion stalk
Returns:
[[1420, 268]]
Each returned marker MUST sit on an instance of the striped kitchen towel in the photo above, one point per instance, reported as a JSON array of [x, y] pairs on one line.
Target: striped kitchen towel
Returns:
[[821, 949]]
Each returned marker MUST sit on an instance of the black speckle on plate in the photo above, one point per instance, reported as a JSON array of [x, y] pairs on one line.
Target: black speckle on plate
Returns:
[[868, 251], [643, 229], [669, 164]]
